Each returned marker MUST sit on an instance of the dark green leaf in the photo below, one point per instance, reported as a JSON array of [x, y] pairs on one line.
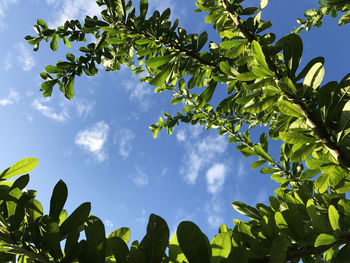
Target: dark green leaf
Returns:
[[158, 61], [96, 240], [303, 152], [246, 210], [193, 243], [58, 199]]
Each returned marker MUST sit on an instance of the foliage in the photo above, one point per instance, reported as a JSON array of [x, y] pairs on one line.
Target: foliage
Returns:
[[308, 219]]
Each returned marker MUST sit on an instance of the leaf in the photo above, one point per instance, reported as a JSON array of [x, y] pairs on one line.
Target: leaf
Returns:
[[207, 94], [292, 50], [258, 163], [246, 210], [309, 65], [23, 166], [69, 90], [259, 56], [246, 76], [53, 69], [123, 233], [303, 152], [232, 44], [296, 137], [225, 68], [336, 173], [51, 236], [333, 216], [41, 23], [263, 3], [143, 8], [202, 39], [280, 221], [158, 61], [96, 240], [314, 76], [278, 251], [160, 78], [193, 243], [322, 183], [289, 109], [75, 220], [58, 199], [261, 105], [261, 152], [221, 246], [175, 252], [324, 239], [53, 43], [117, 247], [156, 239]]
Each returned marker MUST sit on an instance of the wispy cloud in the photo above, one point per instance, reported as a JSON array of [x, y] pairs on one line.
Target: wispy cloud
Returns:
[[216, 175], [123, 138], [214, 212], [11, 98], [25, 58], [93, 140], [49, 111], [83, 107], [4, 5], [139, 177], [139, 92], [200, 153], [64, 10]]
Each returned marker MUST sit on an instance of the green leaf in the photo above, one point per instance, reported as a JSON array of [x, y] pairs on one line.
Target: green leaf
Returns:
[[53, 69], [289, 109], [263, 3], [246, 76], [207, 94], [314, 76], [232, 44], [324, 239], [278, 251], [202, 39], [117, 247], [96, 240], [333, 216], [58, 199], [322, 183], [51, 236], [280, 221], [286, 84], [143, 8], [309, 65], [308, 174], [53, 43], [193, 243], [160, 78], [266, 170], [225, 68], [68, 88], [221, 246], [21, 182], [156, 240], [336, 173], [261, 152], [294, 137], [246, 210], [123, 233], [175, 252], [259, 56], [23, 166], [158, 61], [41, 23], [292, 50], [261, 105], [75, 220], [258, 163], [303, 152]]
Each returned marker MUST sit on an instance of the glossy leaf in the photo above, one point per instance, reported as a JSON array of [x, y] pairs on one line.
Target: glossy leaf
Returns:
[[58, 199], [324, 239], [158, 61], [246, 210], [23, 166], [333, 216], [193, 243]]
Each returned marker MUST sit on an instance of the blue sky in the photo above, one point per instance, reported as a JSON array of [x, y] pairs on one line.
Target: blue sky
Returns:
[[99, 142]]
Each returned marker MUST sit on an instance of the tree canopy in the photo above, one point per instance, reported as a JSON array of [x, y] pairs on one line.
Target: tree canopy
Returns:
[[307, 219]]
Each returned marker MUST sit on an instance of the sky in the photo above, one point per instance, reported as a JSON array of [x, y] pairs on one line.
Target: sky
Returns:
[[99, 143]]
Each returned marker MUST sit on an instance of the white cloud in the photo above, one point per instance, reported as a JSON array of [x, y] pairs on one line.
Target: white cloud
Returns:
[[83, 107], [180, 135], [8, 61], [4, 5], [139, 178], [93, 140], [11, 98], [200, 153], [25, 58], [240, 169], [124, 140], [143, 218], [214, 212], [216, 175], [64, 10], [108, 223], [50, 112], [139, 92]]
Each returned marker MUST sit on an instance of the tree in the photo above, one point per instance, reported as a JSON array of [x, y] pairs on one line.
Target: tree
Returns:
[[306, 220]]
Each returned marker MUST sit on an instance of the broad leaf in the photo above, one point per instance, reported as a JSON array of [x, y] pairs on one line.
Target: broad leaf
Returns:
[[58, 199], [21, 167], [324, 239]]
